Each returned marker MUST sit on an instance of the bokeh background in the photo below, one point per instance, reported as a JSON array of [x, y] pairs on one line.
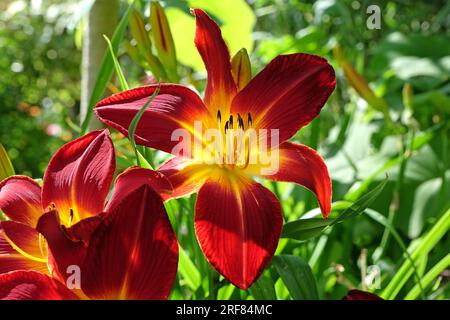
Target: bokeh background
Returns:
[[389, 116]]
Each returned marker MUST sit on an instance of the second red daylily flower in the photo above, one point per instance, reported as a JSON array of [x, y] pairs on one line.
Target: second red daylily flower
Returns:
[[76, 183], [130, 253], [238, 222]]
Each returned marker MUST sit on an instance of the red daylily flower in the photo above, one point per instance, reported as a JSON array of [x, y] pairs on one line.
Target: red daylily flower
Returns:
[[76, 183], [238, 222], [131, 253]]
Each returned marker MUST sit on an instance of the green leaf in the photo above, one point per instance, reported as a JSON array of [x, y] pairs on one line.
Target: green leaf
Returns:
[[133, 126], [361, 204], [421, 248], [431, 275], [297, 276], [263, 289], [304, 229], [6, 167], [122, 80], [143, 161], [106, 69], [191, 276]]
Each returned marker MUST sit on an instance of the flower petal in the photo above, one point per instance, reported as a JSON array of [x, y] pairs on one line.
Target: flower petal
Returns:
[[63, 251], [21, 248], [83, 230], [20, 199], [32, 285], [302, 165], [287, 94], [134, 178], [185, 176], [24, 239], [220, 88], [175, 107], [78, 177], [238, 224], [136, 238]]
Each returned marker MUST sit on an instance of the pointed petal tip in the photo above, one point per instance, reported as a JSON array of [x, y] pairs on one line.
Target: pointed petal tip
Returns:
[[246, 233], [79, 175], [195, 11]]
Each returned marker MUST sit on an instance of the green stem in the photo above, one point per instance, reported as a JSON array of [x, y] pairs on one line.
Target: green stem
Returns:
[[429, 277], [397, 198], [443, 192], [425, 245]]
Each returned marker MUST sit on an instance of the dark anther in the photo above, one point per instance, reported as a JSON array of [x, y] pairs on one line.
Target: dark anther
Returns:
[[53, 205], [226, 127], [240, 122], [231, 122], [71, 214], [249, 119], [219, 116]]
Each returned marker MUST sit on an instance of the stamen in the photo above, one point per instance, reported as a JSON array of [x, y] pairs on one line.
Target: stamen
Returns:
[[240, 122], [231, 122], [219, 116], [249, 119], [226, 127], [70, 216]]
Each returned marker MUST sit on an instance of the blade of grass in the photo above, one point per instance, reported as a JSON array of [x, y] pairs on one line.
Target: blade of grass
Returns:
[[134, 123], [361, 204], [397, 199], [122, 80], [106, 69], [304, 229], [189, 271], [434, 272], [427, 242], [124, 86]]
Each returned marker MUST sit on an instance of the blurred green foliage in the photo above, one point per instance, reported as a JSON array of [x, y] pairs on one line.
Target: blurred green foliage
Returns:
[[39, 83]]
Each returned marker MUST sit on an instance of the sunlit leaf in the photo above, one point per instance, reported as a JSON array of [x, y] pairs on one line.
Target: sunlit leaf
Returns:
[[119, 72], [134, 124], [188, 271], [6, 167], [236, 28]]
